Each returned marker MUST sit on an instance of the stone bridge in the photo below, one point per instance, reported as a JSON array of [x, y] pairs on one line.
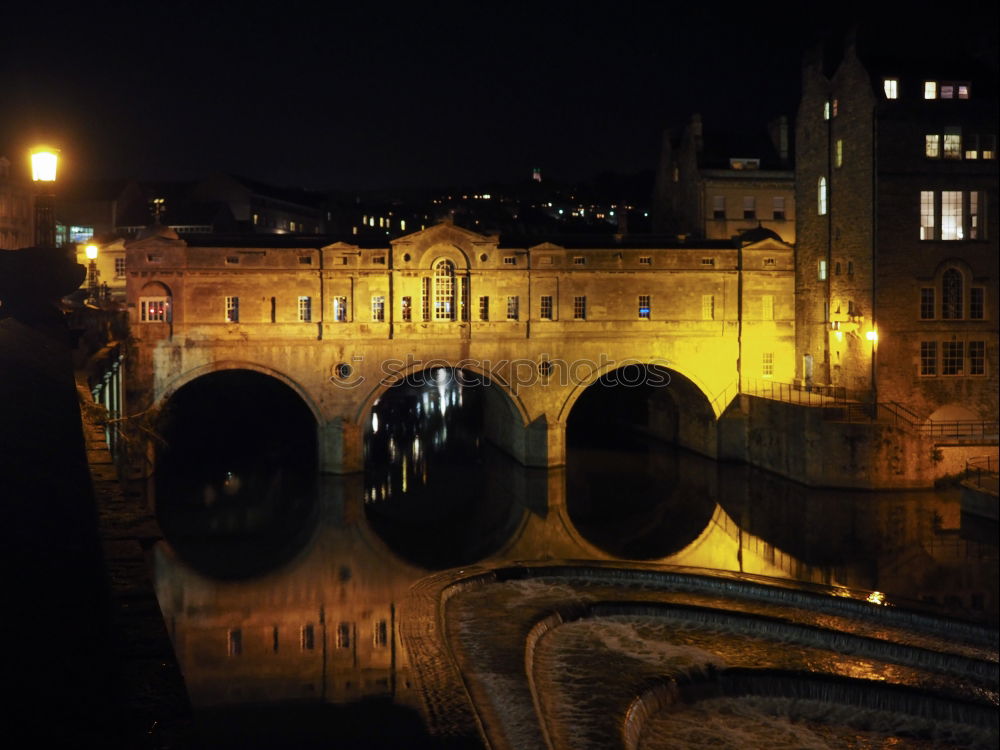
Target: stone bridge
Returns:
[[341, 323]]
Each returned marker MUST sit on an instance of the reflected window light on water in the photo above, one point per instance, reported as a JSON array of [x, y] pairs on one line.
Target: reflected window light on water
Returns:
[[374, 422], [877, 597]]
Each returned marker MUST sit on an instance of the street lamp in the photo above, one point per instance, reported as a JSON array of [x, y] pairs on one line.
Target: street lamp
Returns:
[[91, 251], [44, 161]]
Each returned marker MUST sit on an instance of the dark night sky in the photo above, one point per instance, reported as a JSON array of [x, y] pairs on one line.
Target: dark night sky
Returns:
[[374, 94]]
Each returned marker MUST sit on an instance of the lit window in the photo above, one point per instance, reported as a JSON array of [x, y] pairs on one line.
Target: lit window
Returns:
[[973, 218], [119, 268], [927, 215], [378, 309], [406, 309], [821, 197], [645, 260], [839, 155], [513, 308], [989, 147], [971, 150], [580, 307], [977, 303], [927, 303], [952, 357], [951, 215], [718, 207], [821, 270], [644, 306], [932, 146], [708, 307], [834, 108], [767, 307], [977, 357], [947, 91], [891, 87], [340, 309], [749, 207], [545, 308], [928, 358], [963, 91], [952, 143], [930, 89], [305, 309], [235, 642], [232, 309], [951, 294], [154, 309], [484, 308], [344, 635], [826, 110], [307, 639], [778, 208], [767, 364], [444, 290]]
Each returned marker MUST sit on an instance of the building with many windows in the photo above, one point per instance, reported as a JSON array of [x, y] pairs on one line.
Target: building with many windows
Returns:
[[16, 209], [896, 187]]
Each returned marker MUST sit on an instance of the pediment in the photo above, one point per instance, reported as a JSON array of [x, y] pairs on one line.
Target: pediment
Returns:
[[340, 245], [546, 246], [769, 243], [447, 233]]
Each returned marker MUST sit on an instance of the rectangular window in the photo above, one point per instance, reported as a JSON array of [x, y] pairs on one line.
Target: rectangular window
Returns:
[[973, 223], [838, 160], [464, 298], [513, 308], [274, 309], [425, 298], [545, 308], [821, 270], [770, 262], [708, 307], [484, 308], [952, 357], [153, 309], [580, 308], [579, 260], [952, 143], [406, 309], [947, 91], [510, 260], [381, 635], [718, 207], [644, 306], [928, 358], [645, 260], [232, 309], [930, 89], [305, 309], [749, 207], [989, 147], [927, 303], [340, 309], [972, 147], [308, 638], [344, 635], [891, 88], [119, 268], [977, 303], [927, 215], [951, 215], [235, 642], [378, 309], [850, 268], [963, 91], [778, 208], [708, 261], [932, 146], [767, 364], [767, 307], [305, 260], [826, 110], [977, 357]]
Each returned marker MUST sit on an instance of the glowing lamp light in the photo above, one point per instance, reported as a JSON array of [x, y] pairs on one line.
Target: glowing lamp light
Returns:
[[872, 335], [43, 164], [91, 251]]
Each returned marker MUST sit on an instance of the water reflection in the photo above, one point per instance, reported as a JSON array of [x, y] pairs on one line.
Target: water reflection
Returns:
[[320, 624]]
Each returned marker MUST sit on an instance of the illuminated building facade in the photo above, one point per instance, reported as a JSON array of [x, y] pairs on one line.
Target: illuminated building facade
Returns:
[[15, 209], [897, 233], [717, 185]]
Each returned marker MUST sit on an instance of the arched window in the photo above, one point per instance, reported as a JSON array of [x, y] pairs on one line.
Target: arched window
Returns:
[[821, 197], [444, 290], [951, 294]]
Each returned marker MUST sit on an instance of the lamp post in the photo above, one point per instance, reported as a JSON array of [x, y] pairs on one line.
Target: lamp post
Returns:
[[92, 290], [44, 162], [872, 336]]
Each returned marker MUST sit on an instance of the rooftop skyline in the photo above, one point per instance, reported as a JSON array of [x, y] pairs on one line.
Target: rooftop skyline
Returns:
[[372, 96]]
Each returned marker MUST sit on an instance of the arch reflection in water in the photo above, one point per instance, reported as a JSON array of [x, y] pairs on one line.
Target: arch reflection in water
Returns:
[[235, 472], [435, 491]]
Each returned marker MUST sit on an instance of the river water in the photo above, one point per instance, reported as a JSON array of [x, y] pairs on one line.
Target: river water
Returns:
[[310, 609]]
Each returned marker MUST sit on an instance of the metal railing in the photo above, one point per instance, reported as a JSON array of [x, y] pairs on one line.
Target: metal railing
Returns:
[[794, 393], [982, 471]]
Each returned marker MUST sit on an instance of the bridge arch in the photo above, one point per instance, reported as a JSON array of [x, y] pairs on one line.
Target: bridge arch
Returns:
[[695, 415]]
